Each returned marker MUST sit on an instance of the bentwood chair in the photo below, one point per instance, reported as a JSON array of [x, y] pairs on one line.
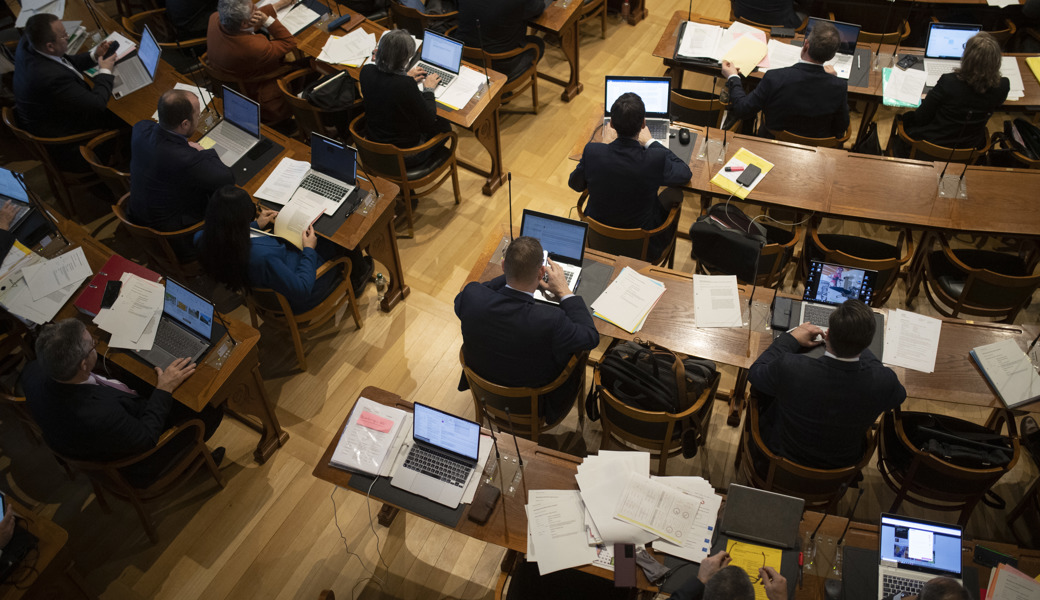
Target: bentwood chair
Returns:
[[182, 54], [310, 118], [634, 243], [417, 22], [159, 246], [513, 87]]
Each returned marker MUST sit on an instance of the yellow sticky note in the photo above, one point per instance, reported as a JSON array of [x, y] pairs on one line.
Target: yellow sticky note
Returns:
[[207, 143], [1034, 65], [752, 557], [746, 54]]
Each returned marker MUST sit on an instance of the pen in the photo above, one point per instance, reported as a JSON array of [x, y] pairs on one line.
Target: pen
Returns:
[[734, 169], [857, 61]]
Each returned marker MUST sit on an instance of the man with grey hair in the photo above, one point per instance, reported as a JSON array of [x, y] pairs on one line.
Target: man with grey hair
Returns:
[[86, 416], [236, 47]]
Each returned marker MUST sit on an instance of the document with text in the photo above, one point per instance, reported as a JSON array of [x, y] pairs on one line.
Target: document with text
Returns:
[[716, 301], [911, 340], [628, 300]]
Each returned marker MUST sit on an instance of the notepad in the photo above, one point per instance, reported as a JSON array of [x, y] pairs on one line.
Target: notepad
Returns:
[[727, 180], [1009, 371]]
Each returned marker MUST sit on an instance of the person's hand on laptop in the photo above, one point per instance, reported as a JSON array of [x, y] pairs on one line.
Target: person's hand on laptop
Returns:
[[712, 565], [830, 69], [175, 374], [806, 334], [431, 81], [310, 239], [729, 69], [7, 214], [266, 217], [417, 73], [555, 282], [775, 583]]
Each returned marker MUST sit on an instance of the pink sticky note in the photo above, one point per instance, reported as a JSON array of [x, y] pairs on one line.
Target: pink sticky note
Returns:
[[376, 422]]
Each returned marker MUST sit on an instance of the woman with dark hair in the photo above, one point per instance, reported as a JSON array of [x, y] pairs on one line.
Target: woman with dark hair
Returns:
[[954, 114], [234, 252], [396, 112]]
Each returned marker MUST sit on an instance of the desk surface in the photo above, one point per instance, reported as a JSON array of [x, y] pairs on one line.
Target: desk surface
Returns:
[[49, 575]]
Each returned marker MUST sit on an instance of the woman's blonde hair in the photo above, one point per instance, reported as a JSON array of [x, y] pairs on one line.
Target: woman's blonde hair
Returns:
[[980, 65]]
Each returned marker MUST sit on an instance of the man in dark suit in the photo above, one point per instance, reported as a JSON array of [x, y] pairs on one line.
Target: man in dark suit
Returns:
[[190, 18], [623, 177], [171, 178], [85, 416], [717, 579], [513, 340], [816, 411], [503, 27], [807, 98]]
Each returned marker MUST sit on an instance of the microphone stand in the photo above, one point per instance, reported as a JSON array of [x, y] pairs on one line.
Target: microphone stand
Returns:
[[703, 154], [487, 77], [509, 183], [944, 183], [884, 33], [899, 38]]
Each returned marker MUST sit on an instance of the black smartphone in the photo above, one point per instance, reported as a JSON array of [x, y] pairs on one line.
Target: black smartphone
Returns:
[[111, 49], [749, 175], [111, 293], [907, 61]]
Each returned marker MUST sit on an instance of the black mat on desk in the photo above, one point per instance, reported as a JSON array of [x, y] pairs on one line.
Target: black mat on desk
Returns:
[[408, 501], [595, 277], [329, 225], [683, 152], [862, 63], [255, 160]]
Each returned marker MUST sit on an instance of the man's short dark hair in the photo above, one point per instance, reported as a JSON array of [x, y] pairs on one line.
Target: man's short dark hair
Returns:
[[40, 30], [730, 583], [851, 329], [627, 115], [174, 107], [943, 588], [61, 348], [823, 41], [523, 259]]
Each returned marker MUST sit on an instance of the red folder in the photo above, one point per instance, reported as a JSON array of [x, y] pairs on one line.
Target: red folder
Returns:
[[89, 300]]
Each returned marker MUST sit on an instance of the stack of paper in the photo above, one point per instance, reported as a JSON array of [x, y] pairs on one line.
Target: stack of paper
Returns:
[[1008, 583], [556, 530], [716, 301], [283, 181], [39, 7], [1033, 62], [700, 41], [727, 180], [911, 340], [780, 54], [295, 16], [628, 300], [461, 90], [134, 317], [372, 432], [1009, 68], [747, 51], [351, 49], [696, 545], [741, 44], [36, 288], [1010, 372], [1003, 3], [598, 478], [903, 88]]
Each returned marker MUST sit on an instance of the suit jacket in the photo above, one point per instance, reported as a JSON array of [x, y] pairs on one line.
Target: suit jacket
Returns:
[[623, 178], [6, 242], [396, 112], [247, 55], [190, 17], [171, 182], [803, 99], [767, 12], [503, 23], [943, 117], [52, 101], [821, 408], [692, 589]]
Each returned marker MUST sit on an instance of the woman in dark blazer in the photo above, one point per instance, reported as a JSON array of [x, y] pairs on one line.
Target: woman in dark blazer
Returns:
[[954, 114]]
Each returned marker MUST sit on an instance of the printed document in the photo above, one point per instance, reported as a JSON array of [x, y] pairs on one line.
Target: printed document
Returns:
[[16, 297], [283, 181], [716, 301], [369, 437], [295, 217], [1010, 372], [911, 340], [598, 478], [556, 524], [133, 318], [903, 88], [39, 7], [462, 89], [752, 557], [700, 41], [350, 50], [61, 271], [697, 544], [658, 508], [1008, 583], [782, 55], [628, 300]]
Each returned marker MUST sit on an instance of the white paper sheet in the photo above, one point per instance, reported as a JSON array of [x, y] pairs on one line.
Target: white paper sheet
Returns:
[[628, 300], [283, 181], [61, 271], [598, 478], [911, 340], [15, 296], [657, 508], [557, 528], [462, 89], [716, 301], [1009, 68], [39, 7], [365, 449], [906, 86], [700, 41], [697, 544], [351, 49], [126, 45], [782, 55], [297, 19], [140, 302]]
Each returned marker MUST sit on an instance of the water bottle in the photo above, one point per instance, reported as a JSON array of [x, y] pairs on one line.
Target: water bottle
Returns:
[[380, 286], [626, 9]]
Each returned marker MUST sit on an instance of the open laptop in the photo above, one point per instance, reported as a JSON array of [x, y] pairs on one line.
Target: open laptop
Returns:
[[333, 174], [830, 285], [185, 328], [913, 551], [238, 131], [848, 34], [655, 93], [944, 48], [443, 456], [13, 188], [137, 71], [562, 239], [441, 55]]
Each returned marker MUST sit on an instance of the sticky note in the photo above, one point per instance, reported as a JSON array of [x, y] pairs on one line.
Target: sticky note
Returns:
[[207, 143], [376, 422]]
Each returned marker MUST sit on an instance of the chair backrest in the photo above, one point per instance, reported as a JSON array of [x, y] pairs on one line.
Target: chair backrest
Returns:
[[822, 142], [922, 150], [900, 33], [887, 268], [414, 21], [156, 244], [386, 160], [777, 254], [117, 181], [697, 108], [309, 118], [162, 28], [634, 243]]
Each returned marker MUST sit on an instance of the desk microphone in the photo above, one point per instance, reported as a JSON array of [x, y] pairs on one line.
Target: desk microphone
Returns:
[[509, 180], [226, 326], [93, 14], [491, 428], [888, 15], [751, 298], [851, 513], [841, 492], [960, 135], [689, 13], [517, 445], [370, 179], [899, 37], [1031, 346], [480, 39], [707, 128]]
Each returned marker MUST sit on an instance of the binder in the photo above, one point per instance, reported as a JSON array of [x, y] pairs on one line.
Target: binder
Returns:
[[89, 300]]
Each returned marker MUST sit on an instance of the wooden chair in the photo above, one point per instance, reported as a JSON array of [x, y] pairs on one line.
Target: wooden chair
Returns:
[[166, 35], [634, 243], [970, 281], [387, 161], [900, 33], [417, 22], [820, 488], [999, 140], [108, 170], [513, 87], [243, 85], [65, 185], [765, 26], [157, 245], [274, 307], [659, 432], [1030, 501], [774, 261], [310, 118], [107, 476], [872, 22], [591, 10], [699, 108], [927, 151], [524, 418], [127, 8], [824, 142], [926, 480]]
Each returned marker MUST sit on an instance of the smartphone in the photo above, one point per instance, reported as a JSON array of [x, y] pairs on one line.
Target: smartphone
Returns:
[[111, 49], [750, 174], [907, 61]]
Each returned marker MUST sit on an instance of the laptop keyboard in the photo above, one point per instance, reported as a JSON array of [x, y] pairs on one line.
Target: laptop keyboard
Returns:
[[658, 129], [438, 466], [176, 341], [446, 77], [323, 187], [900, 585], [936, 69], [818, 315]]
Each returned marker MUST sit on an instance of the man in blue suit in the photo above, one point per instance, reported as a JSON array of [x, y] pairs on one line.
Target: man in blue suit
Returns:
[[623, 177], [513, 340], [806, 99]]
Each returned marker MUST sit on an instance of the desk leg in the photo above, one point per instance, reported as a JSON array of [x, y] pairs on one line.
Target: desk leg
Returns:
[[249, 397], [488, 132], [736, 399], [569, 44], [638, 12], [381, 243], [387, 514]]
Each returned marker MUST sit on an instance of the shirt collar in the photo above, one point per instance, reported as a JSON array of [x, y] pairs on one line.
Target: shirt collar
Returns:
[[531, 294], [828, 354]]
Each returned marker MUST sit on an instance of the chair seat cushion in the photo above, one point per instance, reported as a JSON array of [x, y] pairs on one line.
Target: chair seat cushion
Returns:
[[859, 247], [440, 156], [951, 279]]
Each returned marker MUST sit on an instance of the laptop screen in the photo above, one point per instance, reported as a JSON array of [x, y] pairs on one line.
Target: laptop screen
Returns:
[[149, 52], [847, 32], [242, 111], [920, 545], [653, 91], [947, 40], [562, 238], [334, 159], [441, 51], [446, 431], [11, 186], [834, 284], [188, 308]]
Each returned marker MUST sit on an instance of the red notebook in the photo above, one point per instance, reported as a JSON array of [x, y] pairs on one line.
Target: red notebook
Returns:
[[89, 300]]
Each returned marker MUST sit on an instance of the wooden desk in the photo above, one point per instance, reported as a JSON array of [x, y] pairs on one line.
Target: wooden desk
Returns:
[[52, 573], [479, 116], [563, 21]]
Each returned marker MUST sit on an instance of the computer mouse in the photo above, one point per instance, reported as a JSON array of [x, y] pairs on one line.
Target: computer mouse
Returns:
[[684, 136]]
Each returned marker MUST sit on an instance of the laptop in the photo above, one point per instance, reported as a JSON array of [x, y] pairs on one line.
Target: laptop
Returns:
[[944, 48], [562, 239], [441, 55], [830, 285], [238, 131], [442, 458], [185, 328], [848, 34], [913, 551], [13, 188], [333, 173], [139, 70], [655, 92]]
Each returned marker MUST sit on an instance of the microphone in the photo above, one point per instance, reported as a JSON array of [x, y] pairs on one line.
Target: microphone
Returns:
[[480, 40], [707, 129], [517, 445], [960, 135], [1030, 348], [754, 286], [841, 492], [899, 38], [888, 15], [689, 14], [849, 523], [509, 180], [370, 179], [491, 428], [91, 9], [226, 326]]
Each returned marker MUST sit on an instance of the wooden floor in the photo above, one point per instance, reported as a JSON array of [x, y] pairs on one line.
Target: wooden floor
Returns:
[[276, 531]]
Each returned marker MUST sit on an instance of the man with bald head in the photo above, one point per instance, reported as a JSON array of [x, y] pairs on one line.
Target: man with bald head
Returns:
[[172, 178]]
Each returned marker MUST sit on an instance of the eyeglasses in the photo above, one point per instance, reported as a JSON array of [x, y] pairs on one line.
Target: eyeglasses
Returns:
[[93, 346], [755, 577]]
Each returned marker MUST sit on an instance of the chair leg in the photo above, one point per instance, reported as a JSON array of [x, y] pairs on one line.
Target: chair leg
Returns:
[[149, 527], [214, 470], [455, 182], [603, 22], [301, 358], [406, 194], [354, 306], [534, 91]]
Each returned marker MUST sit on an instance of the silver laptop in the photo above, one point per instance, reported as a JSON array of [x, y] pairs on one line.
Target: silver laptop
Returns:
[[441, 55], [848, 35], [443, 456], [239, 130], [13, 188], [185, 328], [944, 48], [138, 71], [829, 285], [655, 92], [913, 551], [562, 239], [333, 174]]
